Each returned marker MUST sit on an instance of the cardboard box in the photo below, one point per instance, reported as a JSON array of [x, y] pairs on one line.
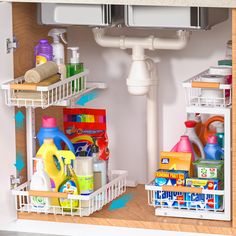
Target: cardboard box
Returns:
[[202, 201], [176, 161]]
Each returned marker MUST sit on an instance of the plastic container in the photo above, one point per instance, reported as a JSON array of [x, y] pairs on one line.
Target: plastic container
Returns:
[[184, 145], [212, 149], [191, 133], [225, 71], [70, 184], [206, 131], [75, 67], [220, 134], [41, 182], [55, 170], [212, 95], [43, 52], [49, 129], [208, 169], [99, 168], [83, 167], [57, 46]]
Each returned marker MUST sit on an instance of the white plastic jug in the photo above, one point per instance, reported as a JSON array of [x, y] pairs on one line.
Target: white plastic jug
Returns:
[[190, 132]]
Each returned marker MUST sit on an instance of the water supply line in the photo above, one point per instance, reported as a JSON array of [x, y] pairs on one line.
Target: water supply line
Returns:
[[142, 79]]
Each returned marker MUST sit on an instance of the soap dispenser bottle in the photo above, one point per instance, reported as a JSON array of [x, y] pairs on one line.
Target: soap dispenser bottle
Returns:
[[70, 184], [75, 67]]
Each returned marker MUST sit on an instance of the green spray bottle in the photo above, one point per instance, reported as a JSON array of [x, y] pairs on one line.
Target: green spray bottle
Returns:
[[70, 184], [75, 67]]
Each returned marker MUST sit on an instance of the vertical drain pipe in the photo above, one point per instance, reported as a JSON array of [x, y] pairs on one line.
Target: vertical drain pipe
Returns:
[[152, 121]]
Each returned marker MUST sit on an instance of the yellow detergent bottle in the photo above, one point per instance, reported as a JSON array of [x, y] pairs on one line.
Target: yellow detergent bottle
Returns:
[[49, 152], [70, 184]]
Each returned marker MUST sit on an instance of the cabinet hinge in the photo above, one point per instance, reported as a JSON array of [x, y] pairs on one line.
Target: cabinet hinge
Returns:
[[12, 44], [14, 181]]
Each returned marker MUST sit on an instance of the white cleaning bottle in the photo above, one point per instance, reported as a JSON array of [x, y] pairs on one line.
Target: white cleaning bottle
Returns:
[[57, 46], [41, 182]]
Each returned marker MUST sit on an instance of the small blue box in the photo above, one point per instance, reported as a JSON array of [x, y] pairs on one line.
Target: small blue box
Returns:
[[203, 201], [170, 178]]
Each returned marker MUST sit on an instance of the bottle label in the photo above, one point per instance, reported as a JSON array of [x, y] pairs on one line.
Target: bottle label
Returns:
[[39, 202], [40, 59], [204, 172], [85, 184], [70, 188]]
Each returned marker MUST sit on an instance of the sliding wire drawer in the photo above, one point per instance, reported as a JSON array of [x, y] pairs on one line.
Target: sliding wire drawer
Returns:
[[88, 204]]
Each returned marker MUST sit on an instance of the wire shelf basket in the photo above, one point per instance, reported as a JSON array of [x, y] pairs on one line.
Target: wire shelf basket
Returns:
[[195, 92], [87, 204], [187, 202], [43, 96]]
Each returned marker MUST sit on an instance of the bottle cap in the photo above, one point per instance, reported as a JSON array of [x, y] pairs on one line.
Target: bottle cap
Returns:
[[49, 122], [43, 41], [212, 139], [75, 55], [220, 128], [190, 123]]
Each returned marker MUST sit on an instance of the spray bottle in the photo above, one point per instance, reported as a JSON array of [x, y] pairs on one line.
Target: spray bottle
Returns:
[[58, 49], [70, 185], [74, 67]]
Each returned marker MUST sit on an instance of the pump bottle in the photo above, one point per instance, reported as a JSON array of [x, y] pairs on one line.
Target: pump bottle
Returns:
[[74, 67]]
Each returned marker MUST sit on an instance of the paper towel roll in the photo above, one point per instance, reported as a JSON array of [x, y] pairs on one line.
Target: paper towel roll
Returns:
[[41, 72]]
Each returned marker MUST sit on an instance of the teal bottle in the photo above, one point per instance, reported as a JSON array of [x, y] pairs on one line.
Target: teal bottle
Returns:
[[220, 134]]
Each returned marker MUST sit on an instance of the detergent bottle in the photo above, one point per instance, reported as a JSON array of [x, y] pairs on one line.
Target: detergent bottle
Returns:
[[42, 52], [220, 134], [212, 149], [40, 181], [184, 145], [49, 129], [48, 152], [196, 143], [206, 131], [70, 184]]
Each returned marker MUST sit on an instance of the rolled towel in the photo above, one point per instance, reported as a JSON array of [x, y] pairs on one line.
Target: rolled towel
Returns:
[[41, 72]]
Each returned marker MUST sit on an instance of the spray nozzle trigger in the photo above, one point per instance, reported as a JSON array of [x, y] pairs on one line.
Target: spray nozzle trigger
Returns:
[[56, 34], [68, 155]]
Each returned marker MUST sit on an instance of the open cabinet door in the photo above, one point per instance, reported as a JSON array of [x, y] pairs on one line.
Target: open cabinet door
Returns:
[[7, 123]]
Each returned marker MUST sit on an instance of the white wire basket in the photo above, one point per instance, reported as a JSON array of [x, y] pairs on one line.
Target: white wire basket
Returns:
[[43, 96], [88, 204], [195, 96], [186, 202]]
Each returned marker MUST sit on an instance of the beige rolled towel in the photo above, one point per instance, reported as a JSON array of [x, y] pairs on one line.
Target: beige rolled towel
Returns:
[[41, 72]]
